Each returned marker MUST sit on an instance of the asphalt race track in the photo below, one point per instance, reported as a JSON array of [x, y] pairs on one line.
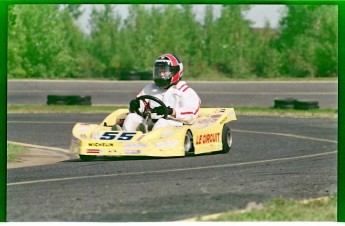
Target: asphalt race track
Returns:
[[271, 157], [212, 94]]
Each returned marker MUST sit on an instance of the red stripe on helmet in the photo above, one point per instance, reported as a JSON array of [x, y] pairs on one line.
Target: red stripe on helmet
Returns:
[[172, 58], [175, 78]]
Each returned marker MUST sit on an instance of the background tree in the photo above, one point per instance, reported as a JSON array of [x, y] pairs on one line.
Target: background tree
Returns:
[[231, 42], [104, 41], [37, 44], [138, 34], [78, 43], [45, 42], [158, 30], [266, 59], [308, 40]]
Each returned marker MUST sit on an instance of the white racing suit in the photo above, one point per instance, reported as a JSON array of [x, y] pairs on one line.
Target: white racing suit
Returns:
[[180, 97]]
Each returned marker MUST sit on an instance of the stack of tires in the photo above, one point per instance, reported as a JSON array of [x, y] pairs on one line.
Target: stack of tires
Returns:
[[135, 75], [306, 104], [292, 103], [68, 100], [288, 103]]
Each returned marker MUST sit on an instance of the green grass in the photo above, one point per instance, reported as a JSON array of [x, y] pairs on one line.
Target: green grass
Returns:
[[253, 111], [270, 111], [13, 151], [21, 109], [279, 209]]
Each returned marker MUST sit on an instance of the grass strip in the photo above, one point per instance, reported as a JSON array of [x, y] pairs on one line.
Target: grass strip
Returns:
[[22, 109], [13, 151], [270, 111], [250, 111], [320, 210]]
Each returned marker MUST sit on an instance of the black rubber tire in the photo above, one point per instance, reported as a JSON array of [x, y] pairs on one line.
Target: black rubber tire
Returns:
[[188, 143], [87, 158], [54, 99], [68, 100], [287, 103], [306, 104], [226, 139], [79, 100]]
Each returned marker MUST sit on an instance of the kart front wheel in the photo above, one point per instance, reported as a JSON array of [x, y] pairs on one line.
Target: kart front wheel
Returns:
[[87, 157], [188, 143], [226, 139]]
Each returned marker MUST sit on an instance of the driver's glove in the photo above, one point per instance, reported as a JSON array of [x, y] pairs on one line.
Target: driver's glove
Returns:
[[160, 110], [134, 105]]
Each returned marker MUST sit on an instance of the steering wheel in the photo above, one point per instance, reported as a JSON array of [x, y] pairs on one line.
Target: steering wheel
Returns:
[[149, 110]]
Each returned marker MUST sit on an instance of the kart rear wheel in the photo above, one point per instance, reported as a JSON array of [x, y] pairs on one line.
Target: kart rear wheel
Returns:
[[226, 139], [188, 143], [87, 157]]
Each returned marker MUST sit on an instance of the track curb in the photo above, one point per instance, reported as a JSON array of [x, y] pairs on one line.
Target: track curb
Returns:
[[38, 155]]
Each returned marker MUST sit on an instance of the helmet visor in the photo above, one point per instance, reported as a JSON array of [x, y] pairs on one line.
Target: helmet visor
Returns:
[[162, 71]]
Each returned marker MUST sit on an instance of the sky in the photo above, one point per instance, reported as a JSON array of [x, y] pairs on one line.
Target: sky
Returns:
[[259, 14]]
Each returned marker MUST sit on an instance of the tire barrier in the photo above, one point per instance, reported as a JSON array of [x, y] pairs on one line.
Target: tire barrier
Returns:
[[68, 100], [136, 75], [292, 103], [306, 104], [288, 103]]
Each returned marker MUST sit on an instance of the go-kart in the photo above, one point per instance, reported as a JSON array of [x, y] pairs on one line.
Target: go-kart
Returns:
[[210, 133]]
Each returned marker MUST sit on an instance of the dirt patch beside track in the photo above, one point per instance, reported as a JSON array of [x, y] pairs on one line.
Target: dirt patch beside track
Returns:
[[38, 156]]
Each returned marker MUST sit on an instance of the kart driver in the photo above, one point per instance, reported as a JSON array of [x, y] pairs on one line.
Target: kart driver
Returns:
[[183, 102]]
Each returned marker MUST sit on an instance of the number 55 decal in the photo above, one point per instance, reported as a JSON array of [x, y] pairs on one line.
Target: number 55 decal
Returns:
[[114, 135]]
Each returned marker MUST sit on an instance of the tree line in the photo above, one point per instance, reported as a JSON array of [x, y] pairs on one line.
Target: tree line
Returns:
[[44, 41]]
